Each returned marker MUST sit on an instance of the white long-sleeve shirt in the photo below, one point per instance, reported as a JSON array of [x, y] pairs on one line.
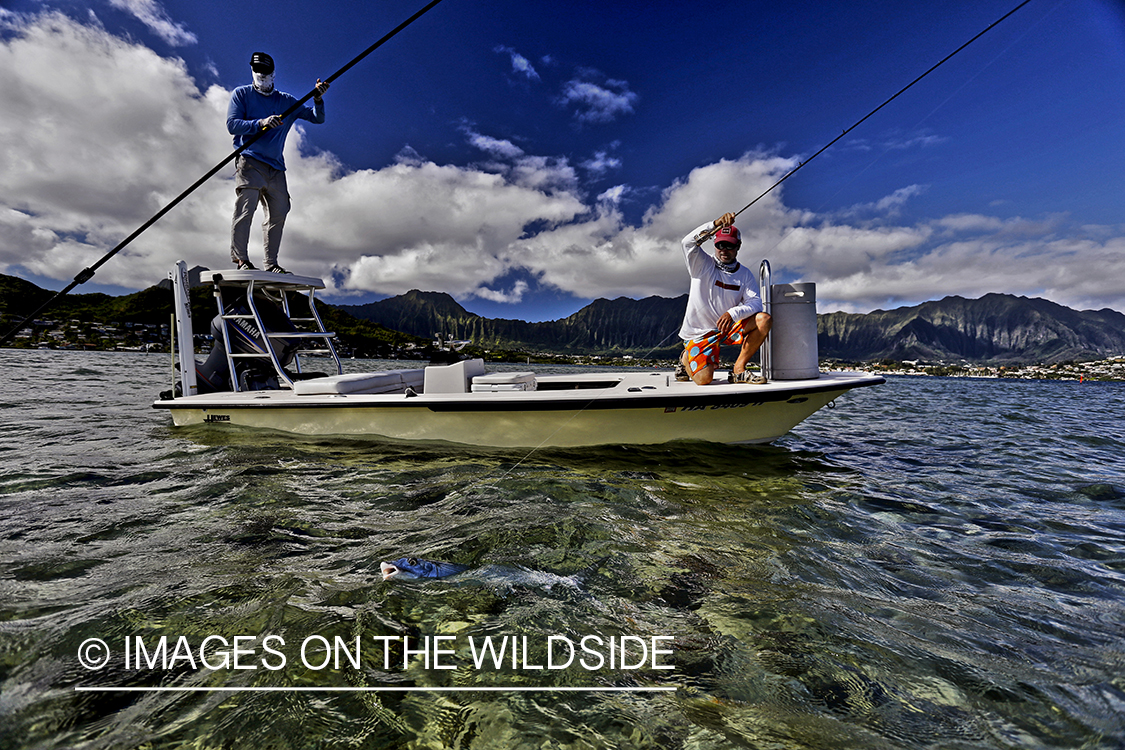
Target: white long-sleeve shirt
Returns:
[[713, 291]]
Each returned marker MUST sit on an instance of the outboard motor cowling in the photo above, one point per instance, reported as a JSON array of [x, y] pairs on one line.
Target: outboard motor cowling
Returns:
[[246, 338]]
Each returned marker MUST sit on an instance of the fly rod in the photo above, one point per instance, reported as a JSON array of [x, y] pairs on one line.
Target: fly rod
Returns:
[[866, 117], [88, 273]]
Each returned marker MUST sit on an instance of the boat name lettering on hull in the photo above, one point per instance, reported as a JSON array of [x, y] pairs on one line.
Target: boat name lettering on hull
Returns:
[[709, 407], [210, 418]]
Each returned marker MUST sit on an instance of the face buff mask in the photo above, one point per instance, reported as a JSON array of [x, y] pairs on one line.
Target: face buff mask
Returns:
[[263, 83]]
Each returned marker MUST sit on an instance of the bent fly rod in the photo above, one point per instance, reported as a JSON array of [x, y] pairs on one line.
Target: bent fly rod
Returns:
[[866, 117], [88, 273]]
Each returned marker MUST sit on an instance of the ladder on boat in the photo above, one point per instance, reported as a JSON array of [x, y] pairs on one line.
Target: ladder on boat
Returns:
[[282, 289]]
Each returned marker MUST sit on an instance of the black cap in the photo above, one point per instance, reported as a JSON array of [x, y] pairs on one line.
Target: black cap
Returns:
[[261, 62]]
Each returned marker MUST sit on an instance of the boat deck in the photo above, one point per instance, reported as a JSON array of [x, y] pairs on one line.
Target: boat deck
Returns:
[[567, 391]]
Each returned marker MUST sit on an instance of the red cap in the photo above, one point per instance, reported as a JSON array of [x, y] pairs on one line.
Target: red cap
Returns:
[[729, 234]]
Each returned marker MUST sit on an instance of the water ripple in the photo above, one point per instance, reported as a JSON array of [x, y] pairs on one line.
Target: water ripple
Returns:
[[933, 563]]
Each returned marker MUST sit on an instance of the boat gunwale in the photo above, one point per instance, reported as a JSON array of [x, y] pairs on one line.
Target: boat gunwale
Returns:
[[578, 399]]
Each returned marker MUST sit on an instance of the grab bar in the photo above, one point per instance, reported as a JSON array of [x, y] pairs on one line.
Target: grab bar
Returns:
[[765, 354]]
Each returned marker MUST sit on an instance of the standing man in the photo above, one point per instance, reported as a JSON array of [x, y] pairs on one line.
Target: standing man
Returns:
[[260, 169], [722, 306]]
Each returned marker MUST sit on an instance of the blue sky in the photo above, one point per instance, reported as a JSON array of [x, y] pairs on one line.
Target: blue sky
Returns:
[[529, 157]]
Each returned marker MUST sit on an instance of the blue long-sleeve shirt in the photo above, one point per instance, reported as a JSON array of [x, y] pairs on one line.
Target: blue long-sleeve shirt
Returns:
[[248, 108]]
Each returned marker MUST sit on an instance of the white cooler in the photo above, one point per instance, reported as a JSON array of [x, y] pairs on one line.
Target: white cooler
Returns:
[[504, 381]]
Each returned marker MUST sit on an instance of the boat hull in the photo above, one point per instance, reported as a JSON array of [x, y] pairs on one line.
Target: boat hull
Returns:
[[645, 408]]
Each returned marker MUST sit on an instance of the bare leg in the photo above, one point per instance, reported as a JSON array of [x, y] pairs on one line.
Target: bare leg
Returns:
[[703, 375], [754, 331]]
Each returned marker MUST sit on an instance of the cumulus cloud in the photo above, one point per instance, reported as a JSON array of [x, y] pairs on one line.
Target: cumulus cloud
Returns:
[[417, 224], [598, 103], [84, 161], [538, 172], [157, 20], [495, 146], [512, 296], [601, 163], [86, 158], [888, 204], [991, 260], [1012, 227], [602, 256], [520, 64], [614, 195]]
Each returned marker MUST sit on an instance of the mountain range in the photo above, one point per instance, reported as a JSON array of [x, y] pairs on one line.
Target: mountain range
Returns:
[[996, 328], [622, 325]]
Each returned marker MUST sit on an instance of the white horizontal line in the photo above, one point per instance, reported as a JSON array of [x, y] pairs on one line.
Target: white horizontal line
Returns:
[[113, 689]]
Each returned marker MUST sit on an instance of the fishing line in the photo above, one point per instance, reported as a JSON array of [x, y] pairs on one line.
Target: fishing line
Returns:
[[544, 441], [870, 114], [791, 230], [88, 273], [785, 177], [901, 91], [931, 113], [517, 464]]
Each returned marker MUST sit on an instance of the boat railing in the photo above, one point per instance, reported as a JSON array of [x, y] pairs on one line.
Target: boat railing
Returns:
[[766, 351], [183, 334]]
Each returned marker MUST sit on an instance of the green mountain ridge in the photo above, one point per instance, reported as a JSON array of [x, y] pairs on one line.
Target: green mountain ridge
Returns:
[[19, 298], [994, 329], [618, 326]]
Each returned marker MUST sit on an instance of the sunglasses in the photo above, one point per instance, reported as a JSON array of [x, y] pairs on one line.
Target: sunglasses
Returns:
[[726, 246]]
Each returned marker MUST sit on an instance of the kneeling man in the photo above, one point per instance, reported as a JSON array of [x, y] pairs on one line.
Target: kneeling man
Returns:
[[722, 307]]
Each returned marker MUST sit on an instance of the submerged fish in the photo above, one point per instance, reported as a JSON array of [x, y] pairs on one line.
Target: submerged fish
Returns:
[[411, 568], [500, 576]]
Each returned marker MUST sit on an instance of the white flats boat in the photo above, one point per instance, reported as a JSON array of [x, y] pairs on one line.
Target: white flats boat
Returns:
[[255, 378]]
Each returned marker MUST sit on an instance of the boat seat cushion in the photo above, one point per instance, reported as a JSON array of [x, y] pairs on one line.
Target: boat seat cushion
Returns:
[[388, 381]]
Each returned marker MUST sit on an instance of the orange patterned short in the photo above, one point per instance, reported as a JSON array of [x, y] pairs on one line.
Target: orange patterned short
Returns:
[[705, 350]]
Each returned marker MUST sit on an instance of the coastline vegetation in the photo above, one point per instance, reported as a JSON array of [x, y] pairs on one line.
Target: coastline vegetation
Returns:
[[364, 340], [142, 322], [1111, 369]]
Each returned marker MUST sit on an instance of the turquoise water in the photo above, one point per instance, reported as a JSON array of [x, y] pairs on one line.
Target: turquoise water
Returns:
[[933, 563]]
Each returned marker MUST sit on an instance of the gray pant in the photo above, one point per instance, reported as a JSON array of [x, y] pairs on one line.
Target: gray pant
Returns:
[[256, 181]]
